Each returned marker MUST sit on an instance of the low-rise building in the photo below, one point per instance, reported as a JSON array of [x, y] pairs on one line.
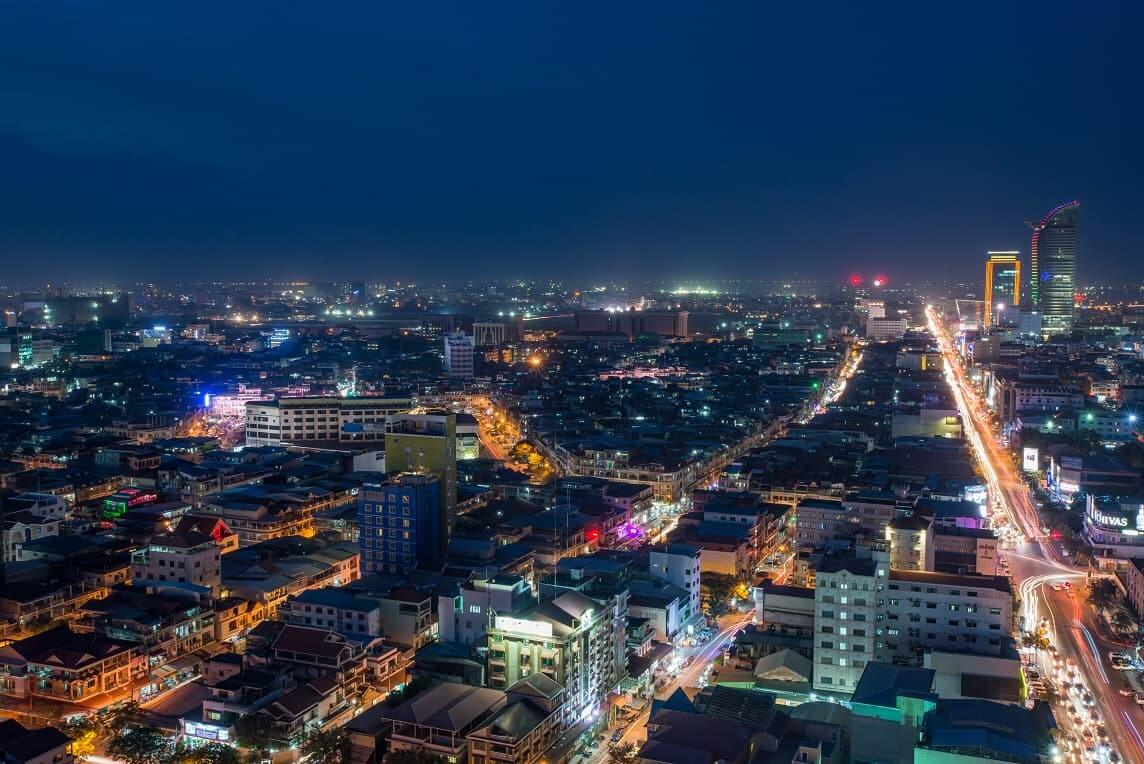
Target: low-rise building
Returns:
[[61, 664]]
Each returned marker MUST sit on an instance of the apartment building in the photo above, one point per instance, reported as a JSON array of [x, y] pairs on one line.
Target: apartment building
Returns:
[[945, 612], [570, 640], [189, 557], [846, 596]]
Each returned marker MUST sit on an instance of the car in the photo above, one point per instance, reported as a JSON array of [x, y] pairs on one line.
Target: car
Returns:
[[1126, 691], [1068, 584], [1116, 655], [617, 735]]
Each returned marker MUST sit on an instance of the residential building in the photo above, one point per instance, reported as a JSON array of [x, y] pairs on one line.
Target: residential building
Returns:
[[63, 665], [465, 616], [846, 595], [426, 443], [679, 565], [189, 557], [20, 745], [911, 543], [529, 724], [943, 611], [571, 639], [402, 524], [458, 359]]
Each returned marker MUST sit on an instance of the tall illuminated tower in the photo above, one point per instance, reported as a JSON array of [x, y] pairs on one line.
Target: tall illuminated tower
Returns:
[[1052, 282], [1002, 284]]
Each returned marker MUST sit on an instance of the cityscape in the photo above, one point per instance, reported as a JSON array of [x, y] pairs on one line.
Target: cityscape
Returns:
[[310, 469]]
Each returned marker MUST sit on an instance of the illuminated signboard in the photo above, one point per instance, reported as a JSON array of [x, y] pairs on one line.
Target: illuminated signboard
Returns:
[[1128, 520], [1030, 459], [521, 626]]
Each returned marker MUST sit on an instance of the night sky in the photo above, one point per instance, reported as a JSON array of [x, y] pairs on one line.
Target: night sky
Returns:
[[380, 140]]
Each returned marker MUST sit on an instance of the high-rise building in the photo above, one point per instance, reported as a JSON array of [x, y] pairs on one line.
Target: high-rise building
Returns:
[[426, 443], [1002, 284], [1052, 260], [459, 355], [402, 524]]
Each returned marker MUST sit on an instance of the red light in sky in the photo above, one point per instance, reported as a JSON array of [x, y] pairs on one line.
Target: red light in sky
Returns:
[[856, 280], [880, 281]]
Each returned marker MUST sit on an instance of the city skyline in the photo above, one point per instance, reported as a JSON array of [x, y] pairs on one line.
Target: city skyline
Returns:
[[689, 142]]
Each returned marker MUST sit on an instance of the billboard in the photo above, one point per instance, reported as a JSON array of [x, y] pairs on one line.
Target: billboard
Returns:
[[523, 626], [1030, 459]]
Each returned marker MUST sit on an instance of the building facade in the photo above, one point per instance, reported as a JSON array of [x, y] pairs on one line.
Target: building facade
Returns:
[[1002, 285], [401, 524], [1052, 260]]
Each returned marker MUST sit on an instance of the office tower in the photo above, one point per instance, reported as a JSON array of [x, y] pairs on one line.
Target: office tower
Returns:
[[1002, 285], [1052, 282], [425, 443], [459, 355], [401, 524]]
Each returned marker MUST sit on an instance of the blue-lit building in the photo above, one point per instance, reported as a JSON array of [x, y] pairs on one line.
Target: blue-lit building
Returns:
[[402, 524]]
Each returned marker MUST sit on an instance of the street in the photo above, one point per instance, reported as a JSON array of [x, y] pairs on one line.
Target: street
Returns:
[[690, 676], [1036, 560]]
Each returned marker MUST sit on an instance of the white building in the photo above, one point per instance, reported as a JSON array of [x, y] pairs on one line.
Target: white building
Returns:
[[678, 564], [465, 616], [846, 594], [942, 611], [186, 558], [459, 355], [303, 420], [886, 328]]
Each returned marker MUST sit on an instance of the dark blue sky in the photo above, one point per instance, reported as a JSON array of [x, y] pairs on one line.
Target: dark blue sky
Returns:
[[326, 139]]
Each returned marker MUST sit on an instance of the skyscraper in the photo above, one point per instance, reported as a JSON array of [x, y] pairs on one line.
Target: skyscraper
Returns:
[[1002, 284], [1052, 282]]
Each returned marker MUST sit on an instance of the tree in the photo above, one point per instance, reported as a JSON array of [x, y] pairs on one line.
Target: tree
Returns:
[[256, 731], [139, 745], [622, 753], [1101, 593], [1121, 621], [720, 588], [83, 732], [408, 756], [119, 717], [326, 746], [211, 753]]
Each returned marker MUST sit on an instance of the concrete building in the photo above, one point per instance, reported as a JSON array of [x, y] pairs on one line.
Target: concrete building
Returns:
[[571, 640], [886, 328], [1052, 259], [458, 358], [464, 617], [401, 524], [187, 557], [846, 595], [911, 543], [318, 420], [679, 565], [1002, 285], [426, 443], [927, 421], [941, 611]]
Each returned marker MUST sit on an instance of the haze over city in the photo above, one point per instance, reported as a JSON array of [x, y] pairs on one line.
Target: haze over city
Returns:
[[386, 141]]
